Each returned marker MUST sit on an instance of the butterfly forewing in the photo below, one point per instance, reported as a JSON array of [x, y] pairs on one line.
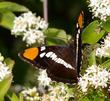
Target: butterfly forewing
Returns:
[[58, 61]]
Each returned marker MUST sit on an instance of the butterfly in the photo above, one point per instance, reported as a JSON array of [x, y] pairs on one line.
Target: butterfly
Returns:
[[62, 63]]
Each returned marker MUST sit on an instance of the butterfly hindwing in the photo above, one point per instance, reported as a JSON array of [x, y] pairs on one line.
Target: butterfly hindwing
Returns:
[[61, 65]]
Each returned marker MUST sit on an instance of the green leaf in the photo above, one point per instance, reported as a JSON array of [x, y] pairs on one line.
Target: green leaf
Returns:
[[14, 97], [84, 99], [6, 19], [106, 25], [10, 63], [106, 64], [4, 86], [95, 95], [92, 58], [11, 6], [52, 41], [56, 36], [21, 97], [56, 33], [92, 33]]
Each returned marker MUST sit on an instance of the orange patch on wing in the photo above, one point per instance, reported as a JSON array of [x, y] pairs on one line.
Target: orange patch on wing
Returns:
[[31, 53], [80, 19]]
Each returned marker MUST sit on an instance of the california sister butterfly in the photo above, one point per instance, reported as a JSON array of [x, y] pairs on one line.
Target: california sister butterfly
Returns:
[[62, 63]]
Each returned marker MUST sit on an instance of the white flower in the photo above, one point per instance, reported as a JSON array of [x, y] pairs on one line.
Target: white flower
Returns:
[[104, 50], [31, 36], [1, 57], [42, 24], [100, 8], [31, 94], [83, 83], [19, 26], [4, 71], [60, 92], [30, 19], [30, 28], [43, 79], [95, 77]]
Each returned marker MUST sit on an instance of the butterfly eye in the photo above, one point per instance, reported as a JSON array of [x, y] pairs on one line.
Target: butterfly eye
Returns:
[[31, 53]]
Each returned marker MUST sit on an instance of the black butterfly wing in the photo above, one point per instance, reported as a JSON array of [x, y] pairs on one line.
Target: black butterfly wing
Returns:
[[62, 63], [59, 62], [60, 71]]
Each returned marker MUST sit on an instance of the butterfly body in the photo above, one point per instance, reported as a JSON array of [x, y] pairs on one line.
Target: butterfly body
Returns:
[[61, 62]]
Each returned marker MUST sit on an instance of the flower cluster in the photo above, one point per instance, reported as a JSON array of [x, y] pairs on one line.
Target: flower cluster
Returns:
[[94, 77], [43, 79], [56, 91], [4, 70], [104, 50], [30, 28], [31, 94], [60, 92], [100, 8]]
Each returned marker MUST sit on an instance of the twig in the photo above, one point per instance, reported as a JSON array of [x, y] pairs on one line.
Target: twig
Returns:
[[45, 9]]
